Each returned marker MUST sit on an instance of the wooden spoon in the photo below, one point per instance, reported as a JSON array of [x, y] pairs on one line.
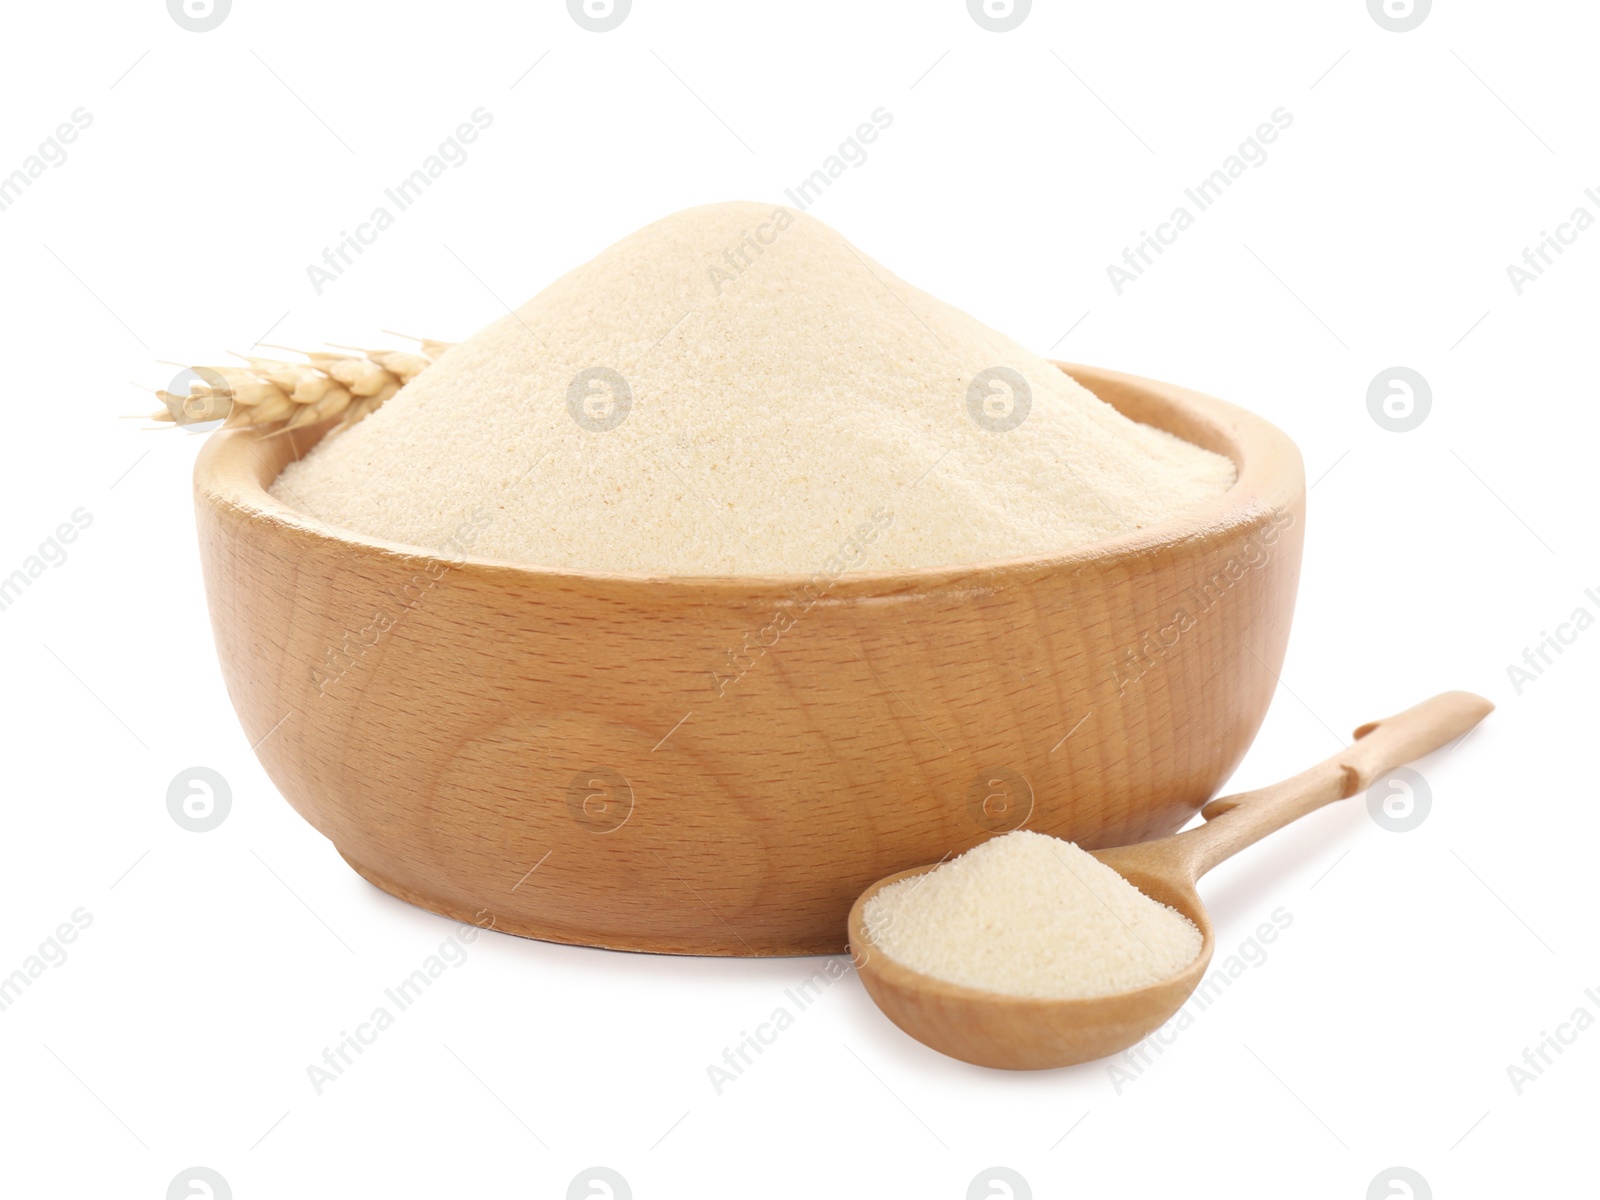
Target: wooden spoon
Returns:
[[1025, 1033]]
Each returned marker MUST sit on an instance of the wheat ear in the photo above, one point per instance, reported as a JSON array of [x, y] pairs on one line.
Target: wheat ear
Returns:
[[345, 382]]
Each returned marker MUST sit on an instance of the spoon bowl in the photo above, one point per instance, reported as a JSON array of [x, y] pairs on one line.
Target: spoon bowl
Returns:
[[994, 1029], [1025, 1032]]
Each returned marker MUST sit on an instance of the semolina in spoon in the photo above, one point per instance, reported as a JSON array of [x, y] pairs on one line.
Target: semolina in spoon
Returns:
[[993, 1029]]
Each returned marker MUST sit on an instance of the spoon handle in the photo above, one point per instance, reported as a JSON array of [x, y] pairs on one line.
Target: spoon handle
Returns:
[[1234, 822]]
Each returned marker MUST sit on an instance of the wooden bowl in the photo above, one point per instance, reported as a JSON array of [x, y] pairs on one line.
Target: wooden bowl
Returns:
[[722, 765]]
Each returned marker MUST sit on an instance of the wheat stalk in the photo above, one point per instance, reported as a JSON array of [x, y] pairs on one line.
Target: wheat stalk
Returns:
[[347, 381]]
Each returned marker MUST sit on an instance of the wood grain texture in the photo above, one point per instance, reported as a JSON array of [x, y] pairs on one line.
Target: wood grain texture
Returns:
[[1025, 1033], [454, 726]]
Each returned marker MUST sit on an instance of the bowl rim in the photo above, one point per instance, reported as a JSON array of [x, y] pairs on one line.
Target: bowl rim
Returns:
[[1269, 476]]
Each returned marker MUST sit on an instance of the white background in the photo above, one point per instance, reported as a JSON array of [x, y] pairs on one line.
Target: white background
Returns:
[[1019, 164]]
